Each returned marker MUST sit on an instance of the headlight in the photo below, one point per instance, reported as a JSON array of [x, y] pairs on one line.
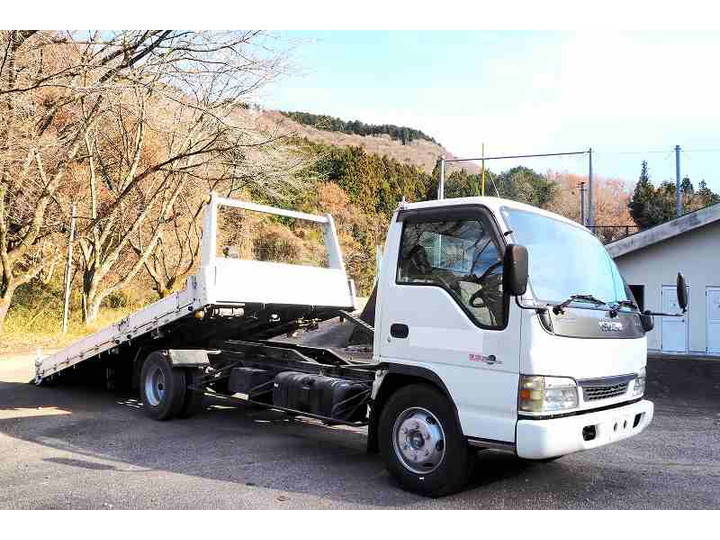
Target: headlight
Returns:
[[547, 394], [639, 384]]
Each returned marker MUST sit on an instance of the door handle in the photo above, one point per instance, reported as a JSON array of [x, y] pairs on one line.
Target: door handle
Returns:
[[398, 330]]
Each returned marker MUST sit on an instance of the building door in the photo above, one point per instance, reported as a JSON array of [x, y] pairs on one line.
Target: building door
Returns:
[[638, 291], [712, 299], [674, 329]]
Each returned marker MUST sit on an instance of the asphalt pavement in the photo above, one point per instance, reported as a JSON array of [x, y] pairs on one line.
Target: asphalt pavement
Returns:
[[78, 447]]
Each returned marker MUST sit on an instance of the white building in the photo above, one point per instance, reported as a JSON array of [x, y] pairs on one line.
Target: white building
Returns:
[[650, 260]]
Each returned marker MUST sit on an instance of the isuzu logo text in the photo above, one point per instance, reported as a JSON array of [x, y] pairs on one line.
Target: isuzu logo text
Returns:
[[610, 326]]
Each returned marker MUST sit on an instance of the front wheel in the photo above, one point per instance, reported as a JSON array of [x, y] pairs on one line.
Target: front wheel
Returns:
[[421, 442]]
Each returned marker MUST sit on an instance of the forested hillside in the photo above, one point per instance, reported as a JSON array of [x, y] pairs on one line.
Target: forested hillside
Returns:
[[330, 123], [419, 152]]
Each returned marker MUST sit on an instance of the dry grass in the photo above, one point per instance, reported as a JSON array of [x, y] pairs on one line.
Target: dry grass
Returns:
[[23, 334]]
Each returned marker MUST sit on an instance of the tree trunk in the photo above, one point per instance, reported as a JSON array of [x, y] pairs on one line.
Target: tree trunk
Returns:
[[90, 308], [7, 291], [163, 287], [4, 307], [162, 291], [90, 299]]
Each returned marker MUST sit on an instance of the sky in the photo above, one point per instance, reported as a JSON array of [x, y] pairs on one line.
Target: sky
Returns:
[[628, 95]]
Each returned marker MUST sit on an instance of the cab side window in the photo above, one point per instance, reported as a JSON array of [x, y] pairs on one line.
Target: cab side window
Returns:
[[463, 257]]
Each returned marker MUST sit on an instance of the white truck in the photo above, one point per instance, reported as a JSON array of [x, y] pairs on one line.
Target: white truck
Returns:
[[497, 325]]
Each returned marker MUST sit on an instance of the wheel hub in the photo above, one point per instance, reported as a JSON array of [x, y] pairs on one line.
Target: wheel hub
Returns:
[[419, 440], [155, 386]]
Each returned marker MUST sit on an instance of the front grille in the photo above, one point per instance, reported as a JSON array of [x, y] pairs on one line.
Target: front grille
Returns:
[[603, 392], [610, 387]]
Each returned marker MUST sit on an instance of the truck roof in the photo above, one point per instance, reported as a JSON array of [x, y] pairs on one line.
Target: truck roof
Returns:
[[492, 203]]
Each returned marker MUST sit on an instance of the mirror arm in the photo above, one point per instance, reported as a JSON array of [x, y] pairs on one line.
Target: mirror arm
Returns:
[[539, 309]]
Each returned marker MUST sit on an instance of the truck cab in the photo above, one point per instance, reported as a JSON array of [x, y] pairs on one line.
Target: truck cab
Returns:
[[555, 367]]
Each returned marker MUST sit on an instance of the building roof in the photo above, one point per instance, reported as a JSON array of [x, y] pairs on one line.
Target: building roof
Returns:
[[664, 231]]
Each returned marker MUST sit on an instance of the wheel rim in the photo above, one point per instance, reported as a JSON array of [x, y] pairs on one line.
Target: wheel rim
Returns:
[[155, 386], [419, 440]]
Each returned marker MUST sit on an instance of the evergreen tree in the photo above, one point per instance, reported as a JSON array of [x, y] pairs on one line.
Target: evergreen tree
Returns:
[[686, 187], [664, 202], [651, 206], [642, 206], [525, 185], [462, 184], [687, 191], [705, 195]]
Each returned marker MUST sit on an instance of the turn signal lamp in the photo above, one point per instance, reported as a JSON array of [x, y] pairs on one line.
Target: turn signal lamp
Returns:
[[538, 394]]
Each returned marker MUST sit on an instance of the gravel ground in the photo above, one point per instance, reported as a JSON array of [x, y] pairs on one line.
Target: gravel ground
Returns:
[[78, 447]]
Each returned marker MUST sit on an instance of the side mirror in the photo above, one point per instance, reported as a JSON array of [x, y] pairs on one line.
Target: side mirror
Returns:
[[682, 292], [646, 321], [515, 269]]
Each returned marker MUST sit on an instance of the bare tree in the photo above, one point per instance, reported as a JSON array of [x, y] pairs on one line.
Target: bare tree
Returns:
[[120, 202], [175, 134], [176, 252], [52, 90], [266, 172], [59, 92]]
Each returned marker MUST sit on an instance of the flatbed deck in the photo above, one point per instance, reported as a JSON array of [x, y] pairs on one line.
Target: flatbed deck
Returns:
[[227, 298]]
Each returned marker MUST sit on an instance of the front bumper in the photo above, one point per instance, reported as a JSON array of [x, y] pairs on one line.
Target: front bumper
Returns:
[[539, 439]]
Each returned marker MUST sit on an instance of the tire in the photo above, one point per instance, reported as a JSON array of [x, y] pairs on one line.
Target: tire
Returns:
[[194, 401], [162, 387], [411, 419]]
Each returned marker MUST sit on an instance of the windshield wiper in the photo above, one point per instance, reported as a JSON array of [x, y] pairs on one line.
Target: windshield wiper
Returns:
[[560, 308], [615, 306], [626, 303]]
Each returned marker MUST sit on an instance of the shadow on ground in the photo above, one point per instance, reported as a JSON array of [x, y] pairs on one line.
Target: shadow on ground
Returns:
[[254, 447]]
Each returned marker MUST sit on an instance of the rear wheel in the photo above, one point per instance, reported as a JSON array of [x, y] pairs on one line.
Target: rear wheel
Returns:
[[421, 442], [162, 387]]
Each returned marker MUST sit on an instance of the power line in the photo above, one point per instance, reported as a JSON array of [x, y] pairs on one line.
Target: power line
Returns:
[[458, 160], [595, 152], [643, 152], [629, 152]]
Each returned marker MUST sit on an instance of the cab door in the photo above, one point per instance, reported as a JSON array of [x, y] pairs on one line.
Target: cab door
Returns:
[[442, 307]]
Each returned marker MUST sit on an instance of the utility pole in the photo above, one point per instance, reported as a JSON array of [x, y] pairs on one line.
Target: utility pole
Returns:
[[441, 184], [483, 171], [590, 205], [581, 185], [68, 270], [678, 195]]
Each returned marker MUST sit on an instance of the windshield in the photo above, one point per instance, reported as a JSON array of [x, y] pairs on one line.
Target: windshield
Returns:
[[564, 259]]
